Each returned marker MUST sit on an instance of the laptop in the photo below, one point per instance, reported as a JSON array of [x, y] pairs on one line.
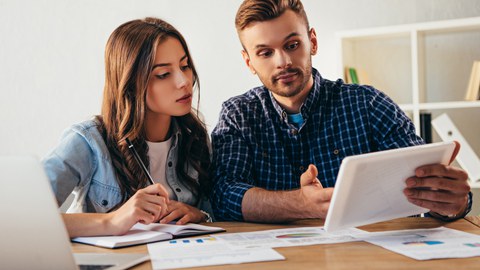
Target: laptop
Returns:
[[32, 233]]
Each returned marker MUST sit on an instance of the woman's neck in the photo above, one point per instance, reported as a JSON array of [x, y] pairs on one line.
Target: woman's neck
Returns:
[[157, 127]]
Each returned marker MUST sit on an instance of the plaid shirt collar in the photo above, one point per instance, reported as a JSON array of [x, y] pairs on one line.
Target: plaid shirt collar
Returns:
[[312, 100]]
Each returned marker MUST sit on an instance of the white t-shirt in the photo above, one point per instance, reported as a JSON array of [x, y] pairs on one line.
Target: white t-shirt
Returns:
[[158, 153]]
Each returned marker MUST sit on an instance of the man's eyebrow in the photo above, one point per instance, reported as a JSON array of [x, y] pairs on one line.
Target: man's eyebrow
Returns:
[[293, 34], [167, 64]]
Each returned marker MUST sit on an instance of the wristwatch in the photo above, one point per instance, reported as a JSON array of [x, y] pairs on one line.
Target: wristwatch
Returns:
[[208, 218], [458, 216]]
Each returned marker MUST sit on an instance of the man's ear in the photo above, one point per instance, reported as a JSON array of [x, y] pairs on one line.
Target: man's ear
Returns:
[[246, 58], [313, 41]]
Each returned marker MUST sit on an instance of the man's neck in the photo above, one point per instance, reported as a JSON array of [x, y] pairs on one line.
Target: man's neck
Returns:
[[292, 104]]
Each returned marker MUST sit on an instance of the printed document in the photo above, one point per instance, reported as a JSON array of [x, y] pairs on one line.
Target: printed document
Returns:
[[302, 236], [426, 244], [193, 252]]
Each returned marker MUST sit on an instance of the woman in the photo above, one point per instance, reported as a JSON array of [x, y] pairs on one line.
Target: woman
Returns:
[[149, 81]]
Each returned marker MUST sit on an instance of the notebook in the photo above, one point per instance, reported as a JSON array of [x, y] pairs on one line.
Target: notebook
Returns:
[[141, 234], [32, 233], [369, 187]]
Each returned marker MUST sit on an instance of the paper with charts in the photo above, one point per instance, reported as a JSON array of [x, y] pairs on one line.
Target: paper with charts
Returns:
[[302, 236], [426, 244], [193, 252]]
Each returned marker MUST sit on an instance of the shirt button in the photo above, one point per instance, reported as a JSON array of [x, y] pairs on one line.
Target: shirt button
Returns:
[[104, 202], [284, 115], [301, 168], [170, 164], [294, 132], [336, 152], [264, 154], [178, 190]]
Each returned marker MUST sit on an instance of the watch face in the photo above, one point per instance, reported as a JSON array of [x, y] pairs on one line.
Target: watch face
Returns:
[[208, 218]]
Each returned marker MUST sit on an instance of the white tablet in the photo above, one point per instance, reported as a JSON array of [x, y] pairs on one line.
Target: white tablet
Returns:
[[369, 187]]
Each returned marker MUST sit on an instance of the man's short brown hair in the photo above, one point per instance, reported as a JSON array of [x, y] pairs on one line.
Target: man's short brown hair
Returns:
[[264, 10]]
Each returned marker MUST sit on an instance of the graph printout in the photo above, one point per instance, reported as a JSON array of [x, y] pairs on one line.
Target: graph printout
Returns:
[[426, 244]]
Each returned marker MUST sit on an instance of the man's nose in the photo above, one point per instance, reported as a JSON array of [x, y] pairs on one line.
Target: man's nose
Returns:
[[283, 60]]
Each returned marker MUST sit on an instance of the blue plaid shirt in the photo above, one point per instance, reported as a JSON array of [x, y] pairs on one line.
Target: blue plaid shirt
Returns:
[[254, 145]]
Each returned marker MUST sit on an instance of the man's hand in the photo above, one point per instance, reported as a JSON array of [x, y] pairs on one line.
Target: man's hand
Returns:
[[315, 198], [441, 188], [310, 201]]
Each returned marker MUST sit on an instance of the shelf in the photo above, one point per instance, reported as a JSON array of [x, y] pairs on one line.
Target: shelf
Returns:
[[464, 24], [406, 107], [423, 67], [441, 105], [449, 105]]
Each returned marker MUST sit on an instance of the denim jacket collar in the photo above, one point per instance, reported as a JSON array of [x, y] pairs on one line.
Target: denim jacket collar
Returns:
[[176, 133]]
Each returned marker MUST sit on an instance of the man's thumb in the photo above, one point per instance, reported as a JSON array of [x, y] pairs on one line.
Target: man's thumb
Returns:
[[309, 176]]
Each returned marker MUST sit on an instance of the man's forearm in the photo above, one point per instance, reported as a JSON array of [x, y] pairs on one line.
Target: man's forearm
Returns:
[[260, 205]]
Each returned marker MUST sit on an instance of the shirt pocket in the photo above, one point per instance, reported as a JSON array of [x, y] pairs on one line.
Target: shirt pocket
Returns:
[[103, 197]]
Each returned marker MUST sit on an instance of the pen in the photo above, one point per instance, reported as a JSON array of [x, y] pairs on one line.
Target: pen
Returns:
[[139, 161]]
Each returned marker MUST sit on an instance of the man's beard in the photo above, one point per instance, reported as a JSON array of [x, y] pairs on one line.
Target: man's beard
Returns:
[[273, 84]]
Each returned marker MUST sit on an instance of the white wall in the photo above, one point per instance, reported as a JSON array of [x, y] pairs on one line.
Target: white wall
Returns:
[[51, 53]]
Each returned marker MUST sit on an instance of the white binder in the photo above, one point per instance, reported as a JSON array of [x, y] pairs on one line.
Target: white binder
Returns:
[[467, 158]]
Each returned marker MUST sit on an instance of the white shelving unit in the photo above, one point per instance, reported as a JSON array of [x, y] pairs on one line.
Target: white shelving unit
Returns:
[[423, 67]]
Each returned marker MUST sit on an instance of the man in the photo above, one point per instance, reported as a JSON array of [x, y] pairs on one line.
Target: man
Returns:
[[270, 141]]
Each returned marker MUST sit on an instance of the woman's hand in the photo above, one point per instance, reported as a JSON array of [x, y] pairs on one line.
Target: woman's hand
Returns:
[[183, 212], [145, 206]]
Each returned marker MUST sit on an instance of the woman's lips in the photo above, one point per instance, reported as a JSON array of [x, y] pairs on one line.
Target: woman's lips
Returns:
[[185, 99]]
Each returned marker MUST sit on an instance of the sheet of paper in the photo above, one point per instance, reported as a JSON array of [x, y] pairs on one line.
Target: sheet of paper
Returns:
[[192, 252], [426, 244], [302, 236]]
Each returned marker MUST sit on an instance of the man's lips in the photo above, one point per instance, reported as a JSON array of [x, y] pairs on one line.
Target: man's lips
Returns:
[[185, 98], [286, 77]]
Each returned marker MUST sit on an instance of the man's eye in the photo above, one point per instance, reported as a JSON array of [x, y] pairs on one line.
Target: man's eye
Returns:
[[162, 76], [292, 46], [265, 53]]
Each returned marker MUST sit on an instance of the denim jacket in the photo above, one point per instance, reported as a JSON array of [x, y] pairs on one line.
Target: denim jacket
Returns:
[[81, 164]]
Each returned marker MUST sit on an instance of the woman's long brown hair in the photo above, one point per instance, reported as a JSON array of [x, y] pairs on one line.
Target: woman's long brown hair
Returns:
[[129, 58]]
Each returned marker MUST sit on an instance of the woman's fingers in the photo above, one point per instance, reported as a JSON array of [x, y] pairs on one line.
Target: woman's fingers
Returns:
[[171, 217], [157, 189]]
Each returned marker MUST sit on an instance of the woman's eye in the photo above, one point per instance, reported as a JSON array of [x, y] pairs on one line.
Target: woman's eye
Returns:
[[162, 76], [292, 46], [185, 67]]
